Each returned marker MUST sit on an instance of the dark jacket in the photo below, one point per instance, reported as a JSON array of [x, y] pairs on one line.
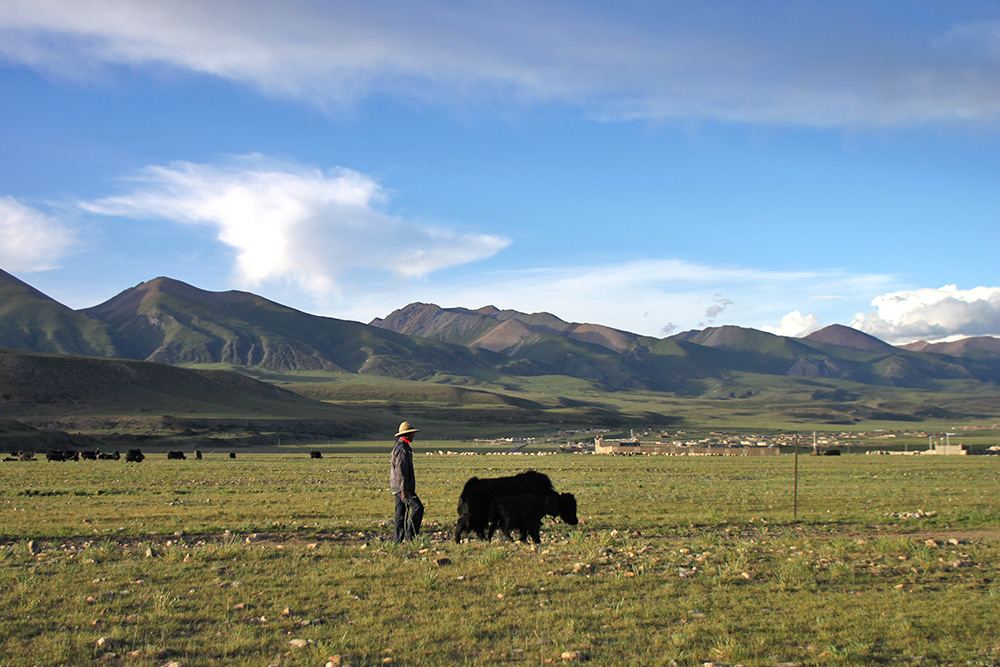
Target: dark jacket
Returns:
[[401, 476]]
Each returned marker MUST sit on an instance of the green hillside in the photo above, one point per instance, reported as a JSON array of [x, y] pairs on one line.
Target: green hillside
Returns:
[[30, 320], [539, 372], [44, 398], [169, 322]]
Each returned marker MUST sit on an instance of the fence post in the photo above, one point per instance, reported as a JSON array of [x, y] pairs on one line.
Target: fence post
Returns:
[[795, 492]]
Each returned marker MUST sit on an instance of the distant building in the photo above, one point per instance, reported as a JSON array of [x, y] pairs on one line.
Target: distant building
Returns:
[[631, 447], [949, 450]]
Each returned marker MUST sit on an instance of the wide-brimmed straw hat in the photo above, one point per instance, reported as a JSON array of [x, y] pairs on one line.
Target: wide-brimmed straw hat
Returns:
[[406, 428]]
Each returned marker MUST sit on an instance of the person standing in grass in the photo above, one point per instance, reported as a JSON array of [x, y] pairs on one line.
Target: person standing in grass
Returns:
[[403, 484]]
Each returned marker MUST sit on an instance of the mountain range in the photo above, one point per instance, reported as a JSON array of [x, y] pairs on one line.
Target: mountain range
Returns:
[[170, 322], [620, 358]]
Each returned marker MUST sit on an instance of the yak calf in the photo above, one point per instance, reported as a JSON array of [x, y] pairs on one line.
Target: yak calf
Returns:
[[521, 513]]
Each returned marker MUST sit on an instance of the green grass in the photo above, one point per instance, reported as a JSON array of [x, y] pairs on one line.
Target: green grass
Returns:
[[690, 560]]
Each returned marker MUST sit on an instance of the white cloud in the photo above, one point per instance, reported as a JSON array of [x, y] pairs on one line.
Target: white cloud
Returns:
[[795, 325], [30, 240], [932, 314], [632, 60], [292, 223]]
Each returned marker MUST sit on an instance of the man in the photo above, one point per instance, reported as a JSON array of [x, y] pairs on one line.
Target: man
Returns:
[[403, 484]]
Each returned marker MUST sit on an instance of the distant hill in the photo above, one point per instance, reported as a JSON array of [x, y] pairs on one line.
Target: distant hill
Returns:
[[31, 320], [32, 382], [494, 329], [838, 334], [536, 343], [841, 353], [979, 347], [171, 322], [541, 343], [43, 395]]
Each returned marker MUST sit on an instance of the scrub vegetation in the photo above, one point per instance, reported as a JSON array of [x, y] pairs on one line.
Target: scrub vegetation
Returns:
[[279, 559]]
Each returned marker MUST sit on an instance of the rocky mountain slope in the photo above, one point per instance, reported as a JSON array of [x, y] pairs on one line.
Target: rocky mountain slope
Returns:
[[984, 348], [170, 322], [541, 343], [494, 329]]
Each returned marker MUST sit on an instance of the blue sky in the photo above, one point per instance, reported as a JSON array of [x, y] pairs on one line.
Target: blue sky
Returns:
[[653, 167]]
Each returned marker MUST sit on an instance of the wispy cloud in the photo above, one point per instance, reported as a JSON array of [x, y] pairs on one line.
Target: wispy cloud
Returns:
[[31, 240], [654, 297], [821, 65], [932, 314], [287, 222]]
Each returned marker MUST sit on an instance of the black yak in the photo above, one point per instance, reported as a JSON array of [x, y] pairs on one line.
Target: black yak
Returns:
[[524, 514], [134, 456], [315, 455], [175, 455], [478, 494]]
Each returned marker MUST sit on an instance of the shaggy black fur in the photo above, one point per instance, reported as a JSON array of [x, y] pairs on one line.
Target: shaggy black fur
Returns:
[[521, 513], [134, 455], [478, 494]]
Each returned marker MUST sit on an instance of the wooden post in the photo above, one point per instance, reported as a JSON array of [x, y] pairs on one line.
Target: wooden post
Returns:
[[795, 492]]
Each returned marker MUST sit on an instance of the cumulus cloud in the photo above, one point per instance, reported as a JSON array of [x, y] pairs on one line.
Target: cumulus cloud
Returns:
[[30, 240], [932, 314], [294, 223], [634, 60], [795, 325]]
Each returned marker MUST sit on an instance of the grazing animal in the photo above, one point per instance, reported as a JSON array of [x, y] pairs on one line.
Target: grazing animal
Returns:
[[90, 455], [110, 457], [521, 513], [134, 456], [175, 455], [232, 455], [315, 455], [478, 494], [197, 453], [55, 455]]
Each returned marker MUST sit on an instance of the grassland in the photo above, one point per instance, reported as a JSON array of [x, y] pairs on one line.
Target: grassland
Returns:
[[890, 560]]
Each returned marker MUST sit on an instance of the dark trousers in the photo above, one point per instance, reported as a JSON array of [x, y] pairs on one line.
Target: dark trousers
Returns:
[[409, 514]]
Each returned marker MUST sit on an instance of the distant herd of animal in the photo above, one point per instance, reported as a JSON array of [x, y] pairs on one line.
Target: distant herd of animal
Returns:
[[133, 455], [514, 503]]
